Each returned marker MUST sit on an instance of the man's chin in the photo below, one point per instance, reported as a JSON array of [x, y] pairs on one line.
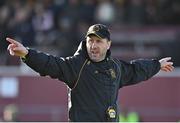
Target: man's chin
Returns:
[[95, 59]]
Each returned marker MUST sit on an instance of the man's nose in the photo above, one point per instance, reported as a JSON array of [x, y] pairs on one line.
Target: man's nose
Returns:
[[94, 45]]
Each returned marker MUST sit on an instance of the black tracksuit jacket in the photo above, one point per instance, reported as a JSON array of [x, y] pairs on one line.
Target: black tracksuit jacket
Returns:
[[94, 85]]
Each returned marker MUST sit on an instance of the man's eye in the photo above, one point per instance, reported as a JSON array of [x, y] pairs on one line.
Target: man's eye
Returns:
[[90, 41], [98, 41]]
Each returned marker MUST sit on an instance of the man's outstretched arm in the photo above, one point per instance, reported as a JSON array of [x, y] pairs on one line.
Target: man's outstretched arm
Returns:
[[44, 64], [143, 69]]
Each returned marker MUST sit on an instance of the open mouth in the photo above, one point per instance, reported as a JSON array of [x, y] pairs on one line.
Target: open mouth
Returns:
[[94, 52]]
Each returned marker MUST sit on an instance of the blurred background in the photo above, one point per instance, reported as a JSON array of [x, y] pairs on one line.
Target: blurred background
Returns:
[[139, 29]]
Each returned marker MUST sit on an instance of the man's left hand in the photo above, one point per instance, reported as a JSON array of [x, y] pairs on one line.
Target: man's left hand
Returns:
[[166, 64]]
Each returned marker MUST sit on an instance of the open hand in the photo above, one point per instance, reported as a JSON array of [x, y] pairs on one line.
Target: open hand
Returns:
[[166, 64]]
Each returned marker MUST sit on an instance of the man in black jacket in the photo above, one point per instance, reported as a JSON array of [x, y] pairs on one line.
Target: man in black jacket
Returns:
[[92, 75]]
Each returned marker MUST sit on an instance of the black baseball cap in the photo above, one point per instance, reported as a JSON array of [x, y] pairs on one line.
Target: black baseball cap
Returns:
[[99, 30]]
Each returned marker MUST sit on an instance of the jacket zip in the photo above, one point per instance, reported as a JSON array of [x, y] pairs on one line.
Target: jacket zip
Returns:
[[79, 75]]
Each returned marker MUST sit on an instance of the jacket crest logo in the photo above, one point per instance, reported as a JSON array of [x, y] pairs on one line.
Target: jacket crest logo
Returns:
[[113, 74]]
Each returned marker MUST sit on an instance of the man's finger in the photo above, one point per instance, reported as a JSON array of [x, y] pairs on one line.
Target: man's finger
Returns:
[[164, 69], [168, 63], [17, 49], [167, 58], [171, 66], [12, 41], [11, 52], [168, 68], [11, 46]]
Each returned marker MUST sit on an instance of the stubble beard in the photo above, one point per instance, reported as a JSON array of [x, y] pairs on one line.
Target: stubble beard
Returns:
[[97, 57]]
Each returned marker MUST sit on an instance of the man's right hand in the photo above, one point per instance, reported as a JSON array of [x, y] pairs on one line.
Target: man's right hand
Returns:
[[16, 49]]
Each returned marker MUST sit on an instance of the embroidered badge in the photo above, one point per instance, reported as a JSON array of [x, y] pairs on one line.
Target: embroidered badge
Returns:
[[113, 74], [111, 112], [94, 28]]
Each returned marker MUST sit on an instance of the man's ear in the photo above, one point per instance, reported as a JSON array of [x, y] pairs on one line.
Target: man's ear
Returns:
[[109, 44]]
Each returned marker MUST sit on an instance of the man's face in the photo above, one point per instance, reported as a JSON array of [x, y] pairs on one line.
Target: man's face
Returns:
[[97, 47]]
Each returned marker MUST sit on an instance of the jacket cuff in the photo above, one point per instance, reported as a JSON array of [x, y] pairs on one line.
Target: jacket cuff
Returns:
[[158, 64], [26, 56]]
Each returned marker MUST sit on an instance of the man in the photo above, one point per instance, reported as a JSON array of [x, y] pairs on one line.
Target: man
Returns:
[[93, 76]]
